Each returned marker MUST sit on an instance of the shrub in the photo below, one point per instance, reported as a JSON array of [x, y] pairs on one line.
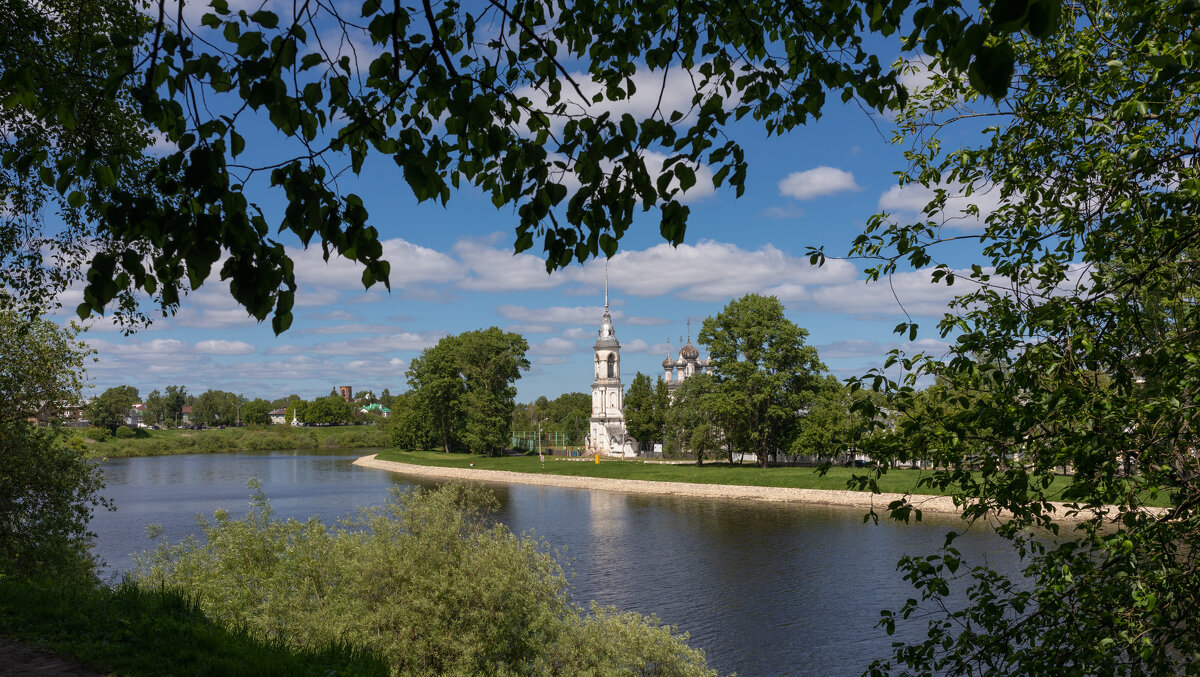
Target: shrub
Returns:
[[430, 581], [98, 434], [124, 433], [47, 494]]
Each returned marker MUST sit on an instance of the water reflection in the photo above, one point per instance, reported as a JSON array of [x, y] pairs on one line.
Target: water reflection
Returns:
[[765, 589]]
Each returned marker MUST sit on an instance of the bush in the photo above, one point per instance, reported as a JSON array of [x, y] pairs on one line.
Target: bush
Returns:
[[430, 581], [124, 433], [47, 494], [98, 434]]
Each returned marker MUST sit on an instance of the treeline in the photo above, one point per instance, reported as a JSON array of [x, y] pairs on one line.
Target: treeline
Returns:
[[769, 396]]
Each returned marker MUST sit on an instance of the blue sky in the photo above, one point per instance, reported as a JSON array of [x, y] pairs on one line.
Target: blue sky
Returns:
[[453, 270]]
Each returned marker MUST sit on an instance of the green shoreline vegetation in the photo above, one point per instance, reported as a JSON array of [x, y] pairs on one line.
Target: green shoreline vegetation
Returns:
[[250, 438]]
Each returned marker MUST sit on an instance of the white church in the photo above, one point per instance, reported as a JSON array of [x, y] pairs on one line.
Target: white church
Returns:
[[607, 435]]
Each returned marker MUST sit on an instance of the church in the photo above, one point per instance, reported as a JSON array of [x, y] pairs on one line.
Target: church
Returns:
[[607, 435]]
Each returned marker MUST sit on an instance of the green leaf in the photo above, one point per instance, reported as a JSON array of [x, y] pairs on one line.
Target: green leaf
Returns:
[[76, 199]]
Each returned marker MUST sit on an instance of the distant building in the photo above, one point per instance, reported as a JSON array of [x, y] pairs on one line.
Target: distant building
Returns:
[[687, 365], [376, 408], [346, 393], [278, 416], [136, 416], [185, 415]]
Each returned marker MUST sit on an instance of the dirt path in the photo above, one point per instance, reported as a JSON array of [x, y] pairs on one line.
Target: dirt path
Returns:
[[25, 660]]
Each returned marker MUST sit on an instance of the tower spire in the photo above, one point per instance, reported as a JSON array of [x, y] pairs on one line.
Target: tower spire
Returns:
[[606, 285]]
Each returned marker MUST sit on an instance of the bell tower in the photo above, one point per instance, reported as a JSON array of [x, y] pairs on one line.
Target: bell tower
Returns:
[[607, 423]]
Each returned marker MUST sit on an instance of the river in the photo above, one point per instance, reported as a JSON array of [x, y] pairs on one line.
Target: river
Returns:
[[764, 589]]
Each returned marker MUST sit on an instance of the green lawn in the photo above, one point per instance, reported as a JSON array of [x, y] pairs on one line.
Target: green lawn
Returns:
[[895, 481]]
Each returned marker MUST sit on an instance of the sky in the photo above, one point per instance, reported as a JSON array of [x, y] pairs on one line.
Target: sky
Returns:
[[453, 270]]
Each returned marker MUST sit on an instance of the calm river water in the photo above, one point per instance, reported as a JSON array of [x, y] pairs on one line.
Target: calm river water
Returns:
[[764, 589]]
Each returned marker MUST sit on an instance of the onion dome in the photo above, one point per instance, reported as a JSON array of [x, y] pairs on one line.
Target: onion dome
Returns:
[[667, 363], [689, 352], [681, 363]]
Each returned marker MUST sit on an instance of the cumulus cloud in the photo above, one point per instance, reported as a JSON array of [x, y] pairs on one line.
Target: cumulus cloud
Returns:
[[554, 346], [816, 182], [712, 271], [911, 292], [489, 268], [371, 345], [655, 91], [911, 200], [221, 347]]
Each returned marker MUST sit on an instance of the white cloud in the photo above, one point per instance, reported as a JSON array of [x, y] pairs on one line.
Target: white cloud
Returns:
[[492, 269], [371, 345], [410, 265], [554, 346], [654, 91], [355, 328], [816, 182], [558, 314], [913, 292], [712, 271], [911, 200], [221, 347]]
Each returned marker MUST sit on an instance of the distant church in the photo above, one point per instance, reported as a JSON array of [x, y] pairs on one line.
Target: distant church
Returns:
[[687, 365], [607, 434]]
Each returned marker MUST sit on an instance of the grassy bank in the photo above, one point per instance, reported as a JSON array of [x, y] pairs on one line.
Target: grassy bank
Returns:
[[132, 631], [895, 481], [254, 438]]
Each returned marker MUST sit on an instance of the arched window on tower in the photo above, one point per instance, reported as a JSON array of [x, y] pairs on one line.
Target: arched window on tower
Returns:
[[611, 366]]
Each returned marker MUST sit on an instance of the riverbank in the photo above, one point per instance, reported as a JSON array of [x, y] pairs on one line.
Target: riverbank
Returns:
[[842, 498], [579, 479], [255, 438]]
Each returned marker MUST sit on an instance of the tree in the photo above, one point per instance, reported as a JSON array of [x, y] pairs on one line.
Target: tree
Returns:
[[1072, 344], [464, 386], [764, 368], [330, 410], [828, 428], [112, 407], [408, 428], [175, 398], [295, 412], [455, 95], [641, 416], [256, 412], [689, 425], [490, 361], [41, 372], [48, 490]]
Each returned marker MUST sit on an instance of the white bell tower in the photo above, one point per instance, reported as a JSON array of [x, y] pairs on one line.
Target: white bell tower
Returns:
[[607, 430]]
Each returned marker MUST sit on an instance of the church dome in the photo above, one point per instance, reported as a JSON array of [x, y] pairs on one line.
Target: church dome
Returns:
[[681, 363], [689, 352], [667, 363]]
